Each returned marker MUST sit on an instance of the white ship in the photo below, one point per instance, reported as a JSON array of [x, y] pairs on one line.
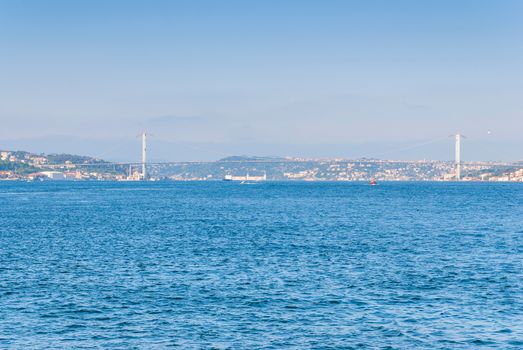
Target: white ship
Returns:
[[246, 177]]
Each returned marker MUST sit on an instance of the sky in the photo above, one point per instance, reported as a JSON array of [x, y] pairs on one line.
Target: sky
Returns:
[[208, 79]]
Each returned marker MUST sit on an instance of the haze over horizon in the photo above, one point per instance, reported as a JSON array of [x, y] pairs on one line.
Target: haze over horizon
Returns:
[[290, 78]]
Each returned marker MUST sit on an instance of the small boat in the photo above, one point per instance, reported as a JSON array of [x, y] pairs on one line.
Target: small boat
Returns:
[[373, 182]]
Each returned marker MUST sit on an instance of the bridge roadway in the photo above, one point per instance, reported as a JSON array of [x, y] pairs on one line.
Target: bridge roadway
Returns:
[[278, 161]]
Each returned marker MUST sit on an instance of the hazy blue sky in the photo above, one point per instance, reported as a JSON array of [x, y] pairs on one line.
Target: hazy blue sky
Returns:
[[306, 78]]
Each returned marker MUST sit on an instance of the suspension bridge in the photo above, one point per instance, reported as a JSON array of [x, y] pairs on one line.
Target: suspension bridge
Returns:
[[144, 165]]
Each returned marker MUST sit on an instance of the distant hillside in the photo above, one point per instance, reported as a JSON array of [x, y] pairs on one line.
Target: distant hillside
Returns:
[[22, 162], [76, 159]]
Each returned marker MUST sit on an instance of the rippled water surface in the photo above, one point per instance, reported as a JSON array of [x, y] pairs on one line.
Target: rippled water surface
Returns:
[[271, 265]]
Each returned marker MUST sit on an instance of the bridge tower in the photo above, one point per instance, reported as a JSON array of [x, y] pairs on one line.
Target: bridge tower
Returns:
[[144, 155], [458, 137]]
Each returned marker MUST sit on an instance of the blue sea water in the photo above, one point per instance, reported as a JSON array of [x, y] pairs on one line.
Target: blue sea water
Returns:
[[272, 265]]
